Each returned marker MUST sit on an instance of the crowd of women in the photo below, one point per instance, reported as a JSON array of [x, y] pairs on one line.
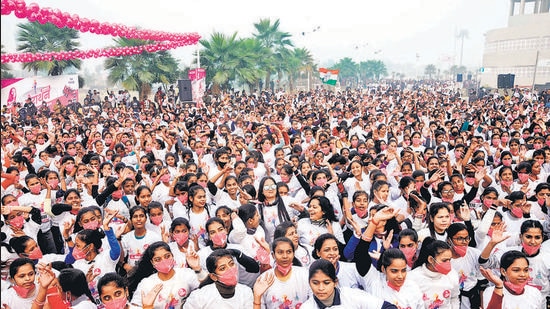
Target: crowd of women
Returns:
[[399, 196]]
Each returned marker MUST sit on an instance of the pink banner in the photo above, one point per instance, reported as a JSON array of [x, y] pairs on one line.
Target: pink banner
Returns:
[[197, 74], [40, 89], [198, 84]]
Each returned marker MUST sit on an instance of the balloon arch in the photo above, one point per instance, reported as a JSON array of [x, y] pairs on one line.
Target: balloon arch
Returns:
[[33, 13]]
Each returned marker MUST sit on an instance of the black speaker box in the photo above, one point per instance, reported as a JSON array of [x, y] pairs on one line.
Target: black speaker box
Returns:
[[459, 78], [185, 91]]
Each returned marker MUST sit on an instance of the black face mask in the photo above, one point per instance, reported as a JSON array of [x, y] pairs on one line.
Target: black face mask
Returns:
[[222, 164], [454, 133]]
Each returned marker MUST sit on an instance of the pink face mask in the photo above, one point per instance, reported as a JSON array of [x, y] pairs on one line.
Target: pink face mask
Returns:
[[180, 238], [537, 146], [442, 268], [516, 288], [165, 178], [17, 222], [156, 220], [490, 232], [71, 152], [393, 287], [362, 213], [183, 198], [523, 177], [116, 303], [469, 180], [165, 266], [410, 253], [117, 195], [416, 140], [285, 178], [460, 250], [54, 183], [79, 254], [229, 277], [487, 203], [35, 254], [517, 212], [284, 269], [418, 186], [504, 139], [91, 225], [22, 291], [321, 182], [36, 189], [219, 239], [354, 144], [507, 183], [530, 250]]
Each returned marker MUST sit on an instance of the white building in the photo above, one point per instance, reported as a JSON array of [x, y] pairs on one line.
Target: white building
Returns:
[[522, 48]]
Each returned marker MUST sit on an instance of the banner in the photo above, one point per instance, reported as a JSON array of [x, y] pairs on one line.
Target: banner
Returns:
[[40, 89], [198, 84]]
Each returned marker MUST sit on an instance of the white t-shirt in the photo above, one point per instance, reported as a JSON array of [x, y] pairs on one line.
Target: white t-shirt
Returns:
[[291, 293], [174, 290], [134, 247], [530, 299]]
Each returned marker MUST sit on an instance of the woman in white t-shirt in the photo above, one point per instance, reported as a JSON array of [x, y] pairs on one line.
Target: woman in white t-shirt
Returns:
[[23, 290], [221, 289], [136, 241], [157, 267], [513, 291]]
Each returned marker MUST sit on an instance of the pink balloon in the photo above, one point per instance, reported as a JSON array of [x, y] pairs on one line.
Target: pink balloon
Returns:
[[33, 7], [21, 13]]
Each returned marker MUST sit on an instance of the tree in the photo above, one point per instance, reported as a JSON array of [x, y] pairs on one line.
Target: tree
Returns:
[[138, 72], [430, 70], [348, 71], [462, 34], [372, 69], [276, 41], [41, 38], [6, 68]]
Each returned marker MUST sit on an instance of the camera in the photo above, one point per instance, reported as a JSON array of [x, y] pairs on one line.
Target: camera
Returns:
[[344, 176]]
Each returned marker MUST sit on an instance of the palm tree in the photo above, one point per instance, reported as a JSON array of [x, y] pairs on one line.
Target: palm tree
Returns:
[[138, 72], [41, 38], [276, 41], [348, 71], [373, 69], [462, 34], [430, 70], [220, 57], [5, 67]]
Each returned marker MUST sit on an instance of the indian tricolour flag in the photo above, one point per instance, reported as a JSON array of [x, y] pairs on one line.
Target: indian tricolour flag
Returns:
[[329, 76]]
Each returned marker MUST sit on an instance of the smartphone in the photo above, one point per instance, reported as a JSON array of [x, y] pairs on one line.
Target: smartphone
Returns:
[[232, 162]]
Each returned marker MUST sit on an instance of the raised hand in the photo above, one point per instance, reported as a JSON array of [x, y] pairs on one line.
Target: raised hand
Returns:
[[465, 213], [193, 259], [148, 300], [490, 275], [386, 241], [263, 283]]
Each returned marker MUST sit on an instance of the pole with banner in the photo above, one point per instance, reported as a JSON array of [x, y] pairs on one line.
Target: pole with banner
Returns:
[[198, 85]]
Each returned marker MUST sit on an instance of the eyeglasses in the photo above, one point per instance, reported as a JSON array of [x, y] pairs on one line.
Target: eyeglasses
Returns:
[[270, 187], [462, 239]]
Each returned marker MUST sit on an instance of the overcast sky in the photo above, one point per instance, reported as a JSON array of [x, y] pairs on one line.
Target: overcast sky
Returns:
[[389, 30]]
